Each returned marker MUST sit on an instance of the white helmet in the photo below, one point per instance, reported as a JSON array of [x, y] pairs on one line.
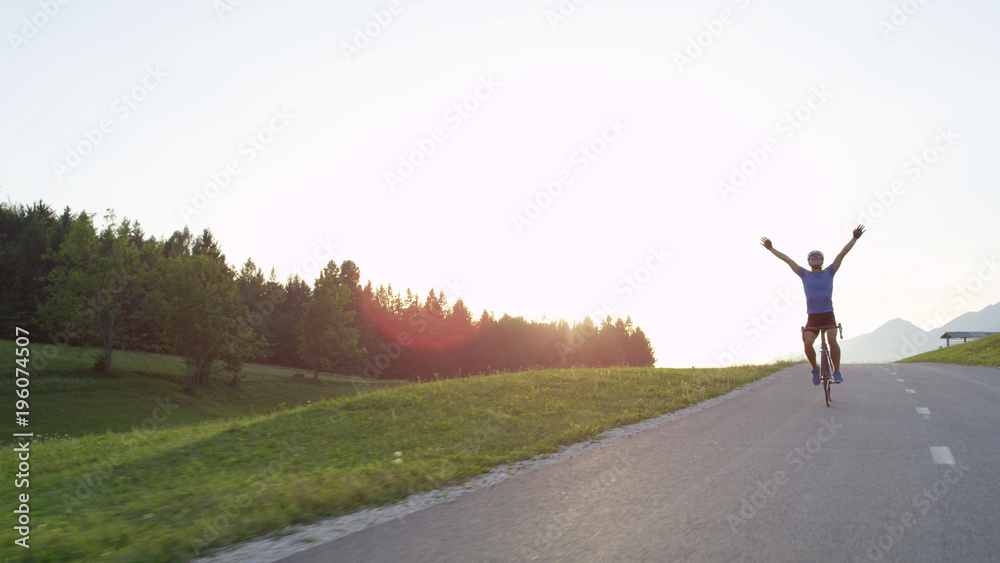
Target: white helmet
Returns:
[[815, 253]]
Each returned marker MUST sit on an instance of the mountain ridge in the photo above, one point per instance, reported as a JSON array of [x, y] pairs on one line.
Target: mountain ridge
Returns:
[[899, 338]]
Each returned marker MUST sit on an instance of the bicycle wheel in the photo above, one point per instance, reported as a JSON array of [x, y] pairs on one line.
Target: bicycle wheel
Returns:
[[825, 371]]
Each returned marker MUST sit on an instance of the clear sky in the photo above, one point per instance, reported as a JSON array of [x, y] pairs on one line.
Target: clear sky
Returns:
[[538, 158]]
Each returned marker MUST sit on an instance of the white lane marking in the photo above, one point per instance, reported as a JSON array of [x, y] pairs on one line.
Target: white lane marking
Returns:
[[923, 410], [942, 455], [900, 380], [910, 391]]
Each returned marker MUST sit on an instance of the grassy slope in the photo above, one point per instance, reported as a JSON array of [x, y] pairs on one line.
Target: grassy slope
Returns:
[[979, 352], [69, 399], [171, 490]]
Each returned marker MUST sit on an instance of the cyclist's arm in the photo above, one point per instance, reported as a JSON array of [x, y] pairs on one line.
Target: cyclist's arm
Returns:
[[840, 257], [860, 230], [784, 258]]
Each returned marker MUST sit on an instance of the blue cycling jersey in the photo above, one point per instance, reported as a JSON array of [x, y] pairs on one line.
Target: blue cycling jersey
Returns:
[[819, 289]]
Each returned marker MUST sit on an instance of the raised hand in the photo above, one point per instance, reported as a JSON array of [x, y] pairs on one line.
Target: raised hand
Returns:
[[767, 242], [859, 231]]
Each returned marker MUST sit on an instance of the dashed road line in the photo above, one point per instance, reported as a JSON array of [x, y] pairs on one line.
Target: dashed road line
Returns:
[[942, 455], [910, 391]]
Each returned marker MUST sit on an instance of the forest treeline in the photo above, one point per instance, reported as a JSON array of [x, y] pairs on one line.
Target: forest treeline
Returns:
[[115, 288]]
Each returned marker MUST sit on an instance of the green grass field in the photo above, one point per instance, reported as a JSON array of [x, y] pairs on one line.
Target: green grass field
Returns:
[[70, 400], [979, 352], [196, 477]]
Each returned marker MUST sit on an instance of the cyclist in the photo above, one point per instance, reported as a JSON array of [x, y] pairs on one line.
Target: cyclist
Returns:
[[818, 286]]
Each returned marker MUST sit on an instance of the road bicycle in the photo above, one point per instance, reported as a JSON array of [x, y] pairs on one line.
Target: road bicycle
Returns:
[[826, 376]]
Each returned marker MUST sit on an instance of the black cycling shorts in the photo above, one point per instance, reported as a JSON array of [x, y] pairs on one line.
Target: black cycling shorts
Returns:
[[821, 319]]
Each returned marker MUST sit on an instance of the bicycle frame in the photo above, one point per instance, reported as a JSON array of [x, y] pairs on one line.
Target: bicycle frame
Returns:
[[826, 375]]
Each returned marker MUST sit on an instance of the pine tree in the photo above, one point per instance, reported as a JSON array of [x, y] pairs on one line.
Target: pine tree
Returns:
[[284, 322], [325, 331], [640, 351], [26, 236]]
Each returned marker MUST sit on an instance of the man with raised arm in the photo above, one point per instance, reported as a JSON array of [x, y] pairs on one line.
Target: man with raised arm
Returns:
[[818, 285]]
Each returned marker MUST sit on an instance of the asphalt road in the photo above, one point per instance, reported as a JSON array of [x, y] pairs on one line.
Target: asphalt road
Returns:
[[770, 475]]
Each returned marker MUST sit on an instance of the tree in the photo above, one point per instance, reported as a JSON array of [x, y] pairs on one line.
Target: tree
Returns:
[[203, 313], [579, 347], [179, 244], [253, 328], [325, 331], [26, 236], [640, 351], [350, 274], [87, 287], [609, 344], [246, 346], [250, 282], [483, 355], [458, 327], [145, 304], [284, 322], [208, 246]]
